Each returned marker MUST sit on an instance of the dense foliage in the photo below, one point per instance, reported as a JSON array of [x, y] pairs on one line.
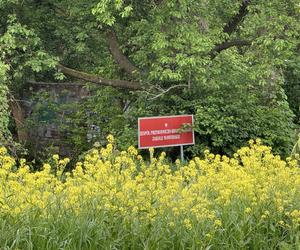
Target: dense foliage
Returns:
[[83, 69], [115, 199], [234, 65]]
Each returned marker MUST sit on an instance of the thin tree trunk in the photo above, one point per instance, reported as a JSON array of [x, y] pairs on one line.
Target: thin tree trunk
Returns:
[[19, 118]]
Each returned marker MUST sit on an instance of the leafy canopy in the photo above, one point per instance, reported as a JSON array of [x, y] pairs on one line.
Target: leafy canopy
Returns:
[[226, 62]]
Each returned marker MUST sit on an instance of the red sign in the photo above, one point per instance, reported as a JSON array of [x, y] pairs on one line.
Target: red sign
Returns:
[[166, 131]]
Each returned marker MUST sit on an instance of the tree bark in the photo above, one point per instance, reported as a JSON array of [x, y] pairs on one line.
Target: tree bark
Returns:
[[228, 44], [19, 118], [132, 85], [233, 23], [118, 55]]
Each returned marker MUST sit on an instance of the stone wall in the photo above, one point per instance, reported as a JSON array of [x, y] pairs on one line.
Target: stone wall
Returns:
[[45, 132]]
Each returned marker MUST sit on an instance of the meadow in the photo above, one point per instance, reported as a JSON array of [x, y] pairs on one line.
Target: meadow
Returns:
[[118, 200]]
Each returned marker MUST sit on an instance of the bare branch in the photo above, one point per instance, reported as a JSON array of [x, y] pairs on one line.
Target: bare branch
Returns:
[[118, 55], [164, 91], [132, 85]]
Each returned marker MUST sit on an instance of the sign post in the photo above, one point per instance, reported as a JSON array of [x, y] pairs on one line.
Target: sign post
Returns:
[[181, 153], [166, 131]]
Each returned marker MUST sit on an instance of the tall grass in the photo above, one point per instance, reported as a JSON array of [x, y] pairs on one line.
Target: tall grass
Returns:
[[116, 200]]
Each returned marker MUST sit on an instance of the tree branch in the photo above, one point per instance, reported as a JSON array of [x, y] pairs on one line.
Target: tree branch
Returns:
[[163, 91], [233, 23], [228, 44], [230, 27], [132, 85], [118, 55]]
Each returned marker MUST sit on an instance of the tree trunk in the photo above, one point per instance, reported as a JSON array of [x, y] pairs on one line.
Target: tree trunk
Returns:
[[19, 118]]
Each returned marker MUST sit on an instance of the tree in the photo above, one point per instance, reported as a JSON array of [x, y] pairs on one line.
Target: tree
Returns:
[[222, 61], [21, 53]]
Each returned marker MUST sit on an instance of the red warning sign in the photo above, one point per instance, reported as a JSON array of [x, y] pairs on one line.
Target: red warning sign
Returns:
[[166, 131]]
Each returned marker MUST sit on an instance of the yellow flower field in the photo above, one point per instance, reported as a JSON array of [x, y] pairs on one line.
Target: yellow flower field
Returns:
[[116, 200]]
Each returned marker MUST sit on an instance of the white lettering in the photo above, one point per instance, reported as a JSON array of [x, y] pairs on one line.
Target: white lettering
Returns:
[[157, 138], [168, 132], [171, 137]]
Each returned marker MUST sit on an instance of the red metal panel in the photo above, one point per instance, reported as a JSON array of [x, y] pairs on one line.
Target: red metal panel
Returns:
[[165, 131]]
